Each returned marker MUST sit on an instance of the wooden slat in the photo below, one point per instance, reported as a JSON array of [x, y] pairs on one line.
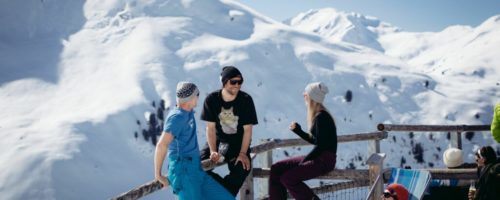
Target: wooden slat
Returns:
[[280, 143], [330, 188], [360, 174], [453, 173], [432, 128], [140, 191], [340, 186]]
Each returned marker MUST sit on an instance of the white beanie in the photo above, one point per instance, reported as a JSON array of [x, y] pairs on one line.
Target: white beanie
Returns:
[[186, 91], [453, 157], [316, 91]]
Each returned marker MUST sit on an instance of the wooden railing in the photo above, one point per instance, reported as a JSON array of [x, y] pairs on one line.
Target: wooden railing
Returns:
[[456, 138], [456, 141], [359, 177]]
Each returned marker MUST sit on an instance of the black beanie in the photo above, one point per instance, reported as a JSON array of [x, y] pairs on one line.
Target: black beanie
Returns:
[[229, 72]]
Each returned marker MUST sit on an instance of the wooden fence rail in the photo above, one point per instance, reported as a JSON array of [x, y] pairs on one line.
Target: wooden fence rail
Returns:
[[433, 128], [334, 187], [456, 138], [350, 174], [281, 143], [359, 178], [268, 146], [456, 141]]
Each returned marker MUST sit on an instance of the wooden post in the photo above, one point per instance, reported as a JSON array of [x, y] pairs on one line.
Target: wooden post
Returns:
[[263, 183], [266, 159], [246, 191], [375, 168], [269, 158], [373, 147], [456, 140]]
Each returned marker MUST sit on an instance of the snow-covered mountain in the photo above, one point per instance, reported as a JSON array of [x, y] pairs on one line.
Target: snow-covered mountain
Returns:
[[459, 58], [77, 77], [341, 26]]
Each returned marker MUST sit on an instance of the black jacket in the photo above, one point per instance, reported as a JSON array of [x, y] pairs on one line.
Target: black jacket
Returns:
[[323, 135], [488, 186]]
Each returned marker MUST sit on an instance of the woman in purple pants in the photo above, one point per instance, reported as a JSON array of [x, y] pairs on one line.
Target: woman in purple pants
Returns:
[[289, 174]]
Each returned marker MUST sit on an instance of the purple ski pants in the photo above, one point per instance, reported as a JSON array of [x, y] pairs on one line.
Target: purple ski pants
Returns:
[[289, 175]]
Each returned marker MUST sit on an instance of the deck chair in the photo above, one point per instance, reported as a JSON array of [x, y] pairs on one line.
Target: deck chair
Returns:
[[415, 181]]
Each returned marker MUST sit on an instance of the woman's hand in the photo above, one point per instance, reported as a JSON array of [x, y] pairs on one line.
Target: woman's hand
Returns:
[[294, 125], [245, 161]]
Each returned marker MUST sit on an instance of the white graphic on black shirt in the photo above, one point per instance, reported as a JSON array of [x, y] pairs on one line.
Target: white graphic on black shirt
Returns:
[[228, 121]]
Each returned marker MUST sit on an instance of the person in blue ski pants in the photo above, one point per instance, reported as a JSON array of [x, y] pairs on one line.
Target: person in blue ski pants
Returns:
[[185, 175]]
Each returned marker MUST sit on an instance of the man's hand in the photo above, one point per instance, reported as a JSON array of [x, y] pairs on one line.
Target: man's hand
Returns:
[[214, 156], [245, 161], [163, 180]]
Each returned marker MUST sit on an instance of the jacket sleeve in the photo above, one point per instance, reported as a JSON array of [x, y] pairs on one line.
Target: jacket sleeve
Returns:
[[306, 136], [495, 124]]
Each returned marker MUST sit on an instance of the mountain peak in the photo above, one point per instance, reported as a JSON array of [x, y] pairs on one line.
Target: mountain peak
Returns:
[[342, 26], [491, 23]]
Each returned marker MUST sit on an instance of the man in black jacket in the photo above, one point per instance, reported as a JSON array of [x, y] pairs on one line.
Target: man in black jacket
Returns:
[[230, 115]]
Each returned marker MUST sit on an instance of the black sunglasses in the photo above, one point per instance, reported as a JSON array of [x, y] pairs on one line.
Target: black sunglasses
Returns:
[[388, 194], [234, 82], [479, 153]]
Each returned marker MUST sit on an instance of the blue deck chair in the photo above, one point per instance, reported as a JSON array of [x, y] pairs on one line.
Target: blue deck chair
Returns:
[[415, 181]]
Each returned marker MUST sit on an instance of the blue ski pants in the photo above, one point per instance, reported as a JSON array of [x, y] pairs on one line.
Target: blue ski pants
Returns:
[[188, 180]]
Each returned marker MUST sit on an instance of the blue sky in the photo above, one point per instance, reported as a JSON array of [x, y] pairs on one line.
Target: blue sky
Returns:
[[410, 15]]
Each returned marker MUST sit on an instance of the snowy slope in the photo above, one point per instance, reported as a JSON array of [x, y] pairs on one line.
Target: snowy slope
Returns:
[[460, 59], [74, 89], [461, 63]]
